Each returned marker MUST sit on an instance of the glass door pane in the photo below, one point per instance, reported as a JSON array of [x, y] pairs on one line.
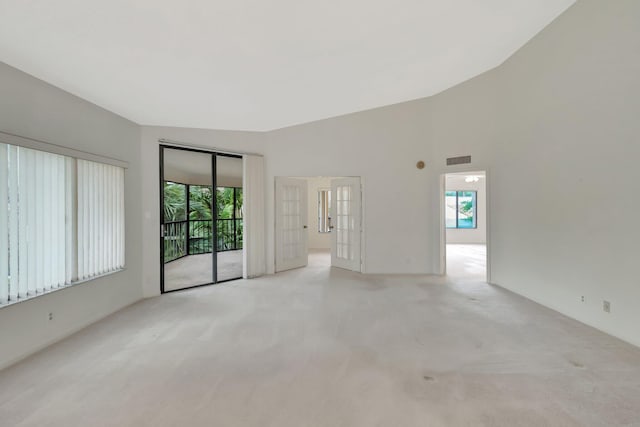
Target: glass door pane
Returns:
[[229, 216], [467, 209], [187, 218]]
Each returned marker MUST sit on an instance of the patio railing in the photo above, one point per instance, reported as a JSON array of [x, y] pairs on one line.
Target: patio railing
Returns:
[[200, 236]]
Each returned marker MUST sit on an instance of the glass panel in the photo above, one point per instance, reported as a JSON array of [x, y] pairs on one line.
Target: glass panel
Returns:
[[200, 223], [239, 204], [466, 209], [343, 222], [229, 221], [324, 211], [229, 218], [225, 202], [450, 209], [175, 201], [175, 215], [239, 233], [188, 227]]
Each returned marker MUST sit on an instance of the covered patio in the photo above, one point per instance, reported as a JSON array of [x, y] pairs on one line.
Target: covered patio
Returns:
[[197, 269]]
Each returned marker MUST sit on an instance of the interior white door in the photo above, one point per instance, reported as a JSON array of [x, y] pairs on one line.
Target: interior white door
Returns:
[[346, 214], [291, 223]]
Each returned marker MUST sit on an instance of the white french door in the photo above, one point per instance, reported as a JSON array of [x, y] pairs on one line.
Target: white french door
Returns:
[[346, 217], [291, 223]]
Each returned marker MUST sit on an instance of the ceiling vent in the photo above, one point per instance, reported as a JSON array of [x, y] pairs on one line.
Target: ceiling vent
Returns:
[[462, 160]]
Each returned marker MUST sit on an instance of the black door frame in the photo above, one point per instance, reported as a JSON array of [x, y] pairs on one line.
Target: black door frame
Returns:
[[214, 215]]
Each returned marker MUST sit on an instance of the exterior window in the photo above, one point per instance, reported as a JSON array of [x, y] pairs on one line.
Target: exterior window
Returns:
[[61, 221], [461, 207]]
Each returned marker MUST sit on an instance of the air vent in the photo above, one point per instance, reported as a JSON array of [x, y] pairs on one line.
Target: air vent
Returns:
[[462, 160]]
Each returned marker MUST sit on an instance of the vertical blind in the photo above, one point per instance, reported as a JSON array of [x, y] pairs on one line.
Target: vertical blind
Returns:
[[63, 221], [100, 219]]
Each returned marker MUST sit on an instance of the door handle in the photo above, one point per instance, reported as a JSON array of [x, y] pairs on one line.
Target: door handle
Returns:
[[304, 226]]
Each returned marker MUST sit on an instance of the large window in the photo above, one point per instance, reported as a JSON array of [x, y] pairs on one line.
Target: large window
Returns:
[[63, 221], [461, 209]]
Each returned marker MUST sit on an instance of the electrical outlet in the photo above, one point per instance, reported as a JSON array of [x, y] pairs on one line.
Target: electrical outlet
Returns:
[[606, 306], [50, 316], [582, 298]]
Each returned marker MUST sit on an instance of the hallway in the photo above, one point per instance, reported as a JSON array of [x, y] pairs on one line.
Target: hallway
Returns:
[[467, 261]]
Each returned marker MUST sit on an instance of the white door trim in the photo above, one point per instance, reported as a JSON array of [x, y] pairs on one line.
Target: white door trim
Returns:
[[443, 234]]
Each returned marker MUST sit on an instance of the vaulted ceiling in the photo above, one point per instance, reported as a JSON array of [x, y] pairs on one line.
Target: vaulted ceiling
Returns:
[[261, 65]]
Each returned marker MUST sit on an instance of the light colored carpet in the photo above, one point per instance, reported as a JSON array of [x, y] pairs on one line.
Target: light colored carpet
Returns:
[[196, 270], [326, 347]]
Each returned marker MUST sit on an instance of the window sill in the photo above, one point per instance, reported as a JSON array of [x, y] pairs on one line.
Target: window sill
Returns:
[[71, 285]]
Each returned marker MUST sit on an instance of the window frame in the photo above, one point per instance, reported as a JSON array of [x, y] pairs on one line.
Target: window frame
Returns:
[[46, 147]]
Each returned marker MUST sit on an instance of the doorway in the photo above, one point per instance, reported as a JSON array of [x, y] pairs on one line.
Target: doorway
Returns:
[[465, 225], [201, 211], [318, 222]]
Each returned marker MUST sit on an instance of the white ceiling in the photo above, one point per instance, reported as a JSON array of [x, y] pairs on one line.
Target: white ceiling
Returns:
[[457, 178], [261, 65]]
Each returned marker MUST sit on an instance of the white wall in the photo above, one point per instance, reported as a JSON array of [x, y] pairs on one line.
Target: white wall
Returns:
[[557, 129], [382, 147], [317, 240], [570, 106], [471, 235], [34, 109]]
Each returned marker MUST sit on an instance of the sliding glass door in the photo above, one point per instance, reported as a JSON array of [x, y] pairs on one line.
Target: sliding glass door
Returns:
[[229, 223], [201, 218]]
